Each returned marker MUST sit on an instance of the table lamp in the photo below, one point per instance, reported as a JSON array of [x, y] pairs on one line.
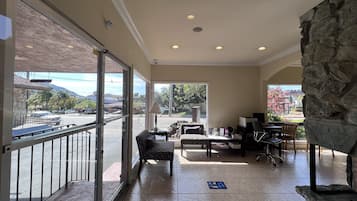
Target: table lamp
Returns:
[[156, 110]]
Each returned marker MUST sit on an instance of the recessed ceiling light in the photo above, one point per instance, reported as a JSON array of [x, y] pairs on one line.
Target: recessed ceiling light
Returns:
[[175, 46], [190, 17], [29, 46], [262, 48], [70, 46], [219, 47], [19, 58]]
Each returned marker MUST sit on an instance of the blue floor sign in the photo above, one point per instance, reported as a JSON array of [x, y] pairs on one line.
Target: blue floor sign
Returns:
[[216, 185]]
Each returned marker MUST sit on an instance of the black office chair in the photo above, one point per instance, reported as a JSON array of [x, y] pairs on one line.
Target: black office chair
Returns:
[[261, 136]]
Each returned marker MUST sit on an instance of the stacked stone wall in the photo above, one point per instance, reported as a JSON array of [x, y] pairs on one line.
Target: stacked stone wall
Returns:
[[329, 58], [329, 49]]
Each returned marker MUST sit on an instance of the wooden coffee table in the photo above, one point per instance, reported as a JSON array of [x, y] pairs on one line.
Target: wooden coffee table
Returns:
[[208, 140], [224, 139], [194, 139]]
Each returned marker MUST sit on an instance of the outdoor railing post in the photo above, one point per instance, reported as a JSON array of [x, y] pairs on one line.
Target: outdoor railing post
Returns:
[[89, 143], [67, 158]]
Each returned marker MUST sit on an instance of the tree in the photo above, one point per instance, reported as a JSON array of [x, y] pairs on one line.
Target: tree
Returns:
[[276, 100], [62, 101], [139, 103], [40, 100], [85, 105], [45, 97], [162, 98], [184, 96]]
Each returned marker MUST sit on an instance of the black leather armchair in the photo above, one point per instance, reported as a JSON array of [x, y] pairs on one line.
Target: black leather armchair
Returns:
[[150, 149]]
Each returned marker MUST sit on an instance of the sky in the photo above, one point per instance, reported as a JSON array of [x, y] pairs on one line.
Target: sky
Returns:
[[286, 87], [85, 84], [158, 87], [6, 28]]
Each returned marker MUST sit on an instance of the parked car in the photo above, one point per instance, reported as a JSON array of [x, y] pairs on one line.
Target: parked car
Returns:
[[89, 111], [164, 110], [45, 117], [70, 111]]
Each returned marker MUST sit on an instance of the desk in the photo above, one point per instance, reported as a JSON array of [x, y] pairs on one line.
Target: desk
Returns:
[[161, 133], [277, 129], [272, 128], [224, 139]]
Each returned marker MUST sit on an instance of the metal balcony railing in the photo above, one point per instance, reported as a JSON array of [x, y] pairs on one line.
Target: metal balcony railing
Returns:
[[44, 163]]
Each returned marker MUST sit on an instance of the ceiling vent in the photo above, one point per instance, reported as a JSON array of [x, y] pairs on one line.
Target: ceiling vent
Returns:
[[197, 29]]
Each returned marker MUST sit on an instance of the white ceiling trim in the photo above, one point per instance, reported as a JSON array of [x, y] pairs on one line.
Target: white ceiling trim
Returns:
[[280, 55], [205, 64], [128, 20]]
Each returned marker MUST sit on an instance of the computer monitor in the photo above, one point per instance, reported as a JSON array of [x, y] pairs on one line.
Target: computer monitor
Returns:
[[260, 117]]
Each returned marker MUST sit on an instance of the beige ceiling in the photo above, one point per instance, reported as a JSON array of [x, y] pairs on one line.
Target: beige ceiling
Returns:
[[241, 26]]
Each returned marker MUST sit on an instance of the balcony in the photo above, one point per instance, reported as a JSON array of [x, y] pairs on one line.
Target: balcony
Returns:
[[59, 164]]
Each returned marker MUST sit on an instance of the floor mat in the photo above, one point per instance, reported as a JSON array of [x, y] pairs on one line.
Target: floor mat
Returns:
[[216, 185]]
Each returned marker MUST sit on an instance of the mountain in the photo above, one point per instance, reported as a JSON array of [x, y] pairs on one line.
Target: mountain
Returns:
[[108, 98], [56, 88]]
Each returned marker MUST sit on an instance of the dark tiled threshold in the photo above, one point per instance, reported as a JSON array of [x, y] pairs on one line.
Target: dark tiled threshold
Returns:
[[328, 193]]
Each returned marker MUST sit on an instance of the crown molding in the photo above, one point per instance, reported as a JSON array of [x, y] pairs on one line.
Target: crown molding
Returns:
[[205, 64], [128, 20], [286, 52]]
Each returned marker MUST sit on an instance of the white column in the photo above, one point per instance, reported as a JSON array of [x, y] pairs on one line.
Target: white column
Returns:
[[7, 55]]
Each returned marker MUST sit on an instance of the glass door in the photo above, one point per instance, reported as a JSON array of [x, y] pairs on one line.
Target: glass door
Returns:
[[115, 130]]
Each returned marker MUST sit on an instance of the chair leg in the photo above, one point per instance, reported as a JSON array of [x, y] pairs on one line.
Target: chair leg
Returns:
[[139, 170], [181, 148], [171, 164], [207, 150], [307, 147], [319, 151], [333, 153], [294, 146]]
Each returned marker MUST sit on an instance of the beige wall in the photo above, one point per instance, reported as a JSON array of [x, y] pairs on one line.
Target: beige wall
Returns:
[[270, 69], [267, 71], [288, 75], [90, 15], [232, 91]]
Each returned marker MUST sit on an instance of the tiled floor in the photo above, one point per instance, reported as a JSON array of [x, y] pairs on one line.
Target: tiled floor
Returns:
[[84, 191], [246, 179]]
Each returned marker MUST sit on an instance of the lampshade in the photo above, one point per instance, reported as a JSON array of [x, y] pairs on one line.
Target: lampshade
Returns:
[[155, 108]]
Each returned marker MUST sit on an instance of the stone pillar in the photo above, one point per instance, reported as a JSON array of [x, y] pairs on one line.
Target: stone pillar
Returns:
[[329, 50], [354, 173], [351, 171]]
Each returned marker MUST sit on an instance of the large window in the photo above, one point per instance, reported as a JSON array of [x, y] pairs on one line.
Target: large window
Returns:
[[177, 101], [284, 103], [139, 112]]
